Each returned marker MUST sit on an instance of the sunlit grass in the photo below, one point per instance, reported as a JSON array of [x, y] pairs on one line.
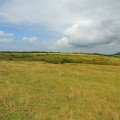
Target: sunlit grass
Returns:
[[44, 91]]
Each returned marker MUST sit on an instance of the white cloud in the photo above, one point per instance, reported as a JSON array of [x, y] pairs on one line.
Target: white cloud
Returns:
[[29, 39], [55, 14], [3, 34], [48, 13], [80, 23], [89, 34], [5, 40], [5, 37]]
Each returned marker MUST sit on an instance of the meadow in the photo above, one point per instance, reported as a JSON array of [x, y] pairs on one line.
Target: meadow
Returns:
[[59, 86]]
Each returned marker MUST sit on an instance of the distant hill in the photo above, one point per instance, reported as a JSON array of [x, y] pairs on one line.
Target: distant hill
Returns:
[[117, 53]]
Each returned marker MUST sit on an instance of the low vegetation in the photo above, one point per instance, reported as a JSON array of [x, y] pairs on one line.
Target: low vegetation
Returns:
[[60, 58], [33, 88]]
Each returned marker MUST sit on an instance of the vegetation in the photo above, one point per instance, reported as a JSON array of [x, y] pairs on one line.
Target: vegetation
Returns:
[[33, 88], [117, 53], [58, 58]]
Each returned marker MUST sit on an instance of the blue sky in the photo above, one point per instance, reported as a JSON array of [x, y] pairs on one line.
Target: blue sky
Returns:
[[60, 25]]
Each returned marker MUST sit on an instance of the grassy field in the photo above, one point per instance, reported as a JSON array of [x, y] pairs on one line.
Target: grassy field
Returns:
[[33, 88], [61, 58]]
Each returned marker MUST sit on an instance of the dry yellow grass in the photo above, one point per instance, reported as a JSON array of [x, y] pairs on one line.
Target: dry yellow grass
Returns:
[[43, 91]]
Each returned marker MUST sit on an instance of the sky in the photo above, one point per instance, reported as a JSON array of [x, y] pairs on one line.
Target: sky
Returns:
[[91, 26]]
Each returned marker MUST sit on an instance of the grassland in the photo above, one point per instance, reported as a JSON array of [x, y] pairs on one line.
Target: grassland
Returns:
[[61, 58], [33, 88]]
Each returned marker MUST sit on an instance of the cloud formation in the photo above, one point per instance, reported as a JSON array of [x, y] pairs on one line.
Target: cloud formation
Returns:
[[89, 34], [29, 39], [6, 37], [78, 23], [5, 40], [3, 34]]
